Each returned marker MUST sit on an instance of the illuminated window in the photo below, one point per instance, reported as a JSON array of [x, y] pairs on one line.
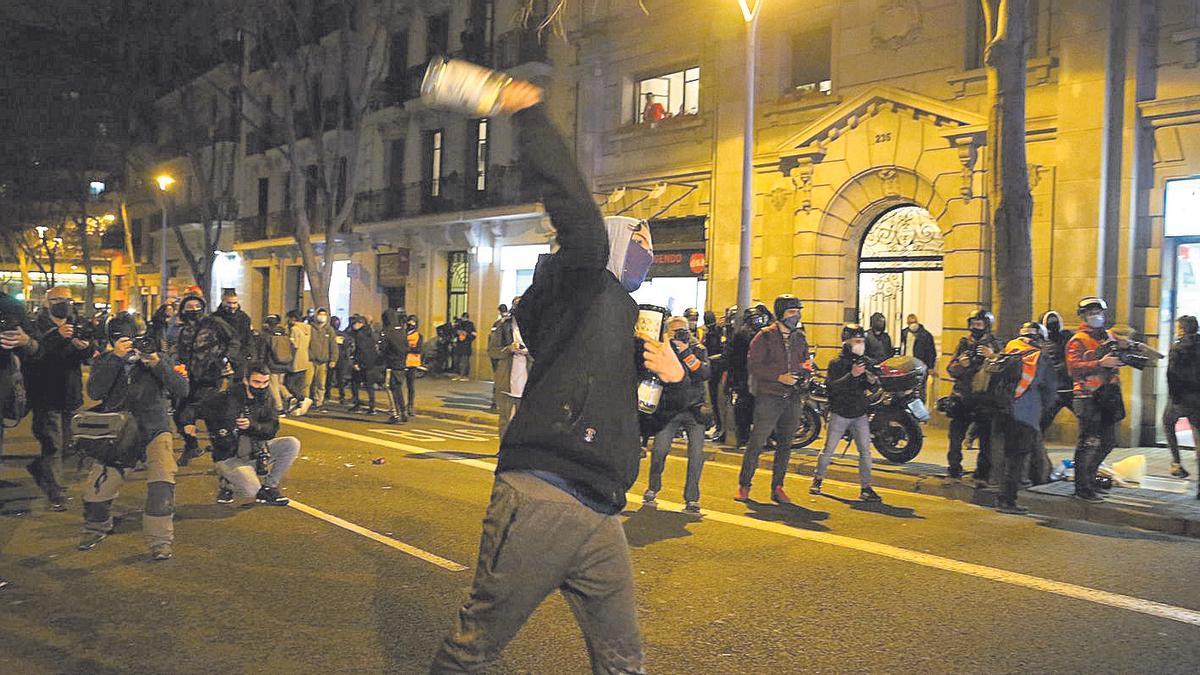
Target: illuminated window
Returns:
[[668, 95], [481, 155]]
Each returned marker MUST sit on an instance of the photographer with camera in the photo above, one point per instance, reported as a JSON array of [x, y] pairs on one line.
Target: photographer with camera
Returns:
[[848, 378], [132, 377], [210, 350], [778, 361], [16, 345], [681, 406], [1097, 383], [242, 422], [737, 350], [54, 386], [968, 358]]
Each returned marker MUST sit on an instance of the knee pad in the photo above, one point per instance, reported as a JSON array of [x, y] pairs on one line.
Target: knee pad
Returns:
[[160, 499], [97, 512]]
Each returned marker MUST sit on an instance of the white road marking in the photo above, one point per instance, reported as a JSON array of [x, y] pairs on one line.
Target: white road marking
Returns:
[[1106, 598], [386, 541]]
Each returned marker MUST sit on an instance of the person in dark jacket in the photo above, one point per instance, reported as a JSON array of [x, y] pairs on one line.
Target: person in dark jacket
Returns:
[[125, 379], [366, 359], [777, 362], [1017, 426], [393, 352], [968, 358], [572, 449], [1056, 350], [714, 346], [322, 356], [278, 353], [879, 343], [464, 341], [1183, 389], [501, 352], [917, 342], [243, 422], [208, 349], [54, 388], [681, 406], [343, 367], [17, 345], [848, 379], [737, 374], [230, 311]]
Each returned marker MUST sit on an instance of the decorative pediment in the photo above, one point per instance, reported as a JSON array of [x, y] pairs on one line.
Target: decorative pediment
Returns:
[[812, 140]]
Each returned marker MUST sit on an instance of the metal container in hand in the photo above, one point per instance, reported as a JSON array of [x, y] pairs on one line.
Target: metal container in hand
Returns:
[[452, 84]]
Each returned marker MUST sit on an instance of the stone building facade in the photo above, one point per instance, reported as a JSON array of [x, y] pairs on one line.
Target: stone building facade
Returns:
[[870, 154]]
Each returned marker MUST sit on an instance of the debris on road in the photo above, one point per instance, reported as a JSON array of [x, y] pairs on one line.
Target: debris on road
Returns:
[[379, 460]]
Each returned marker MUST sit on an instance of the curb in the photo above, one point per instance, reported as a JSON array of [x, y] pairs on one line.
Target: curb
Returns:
[[883, 475]]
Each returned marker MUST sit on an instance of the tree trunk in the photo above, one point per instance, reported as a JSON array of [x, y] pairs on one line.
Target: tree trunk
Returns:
[[1009, 201], [132, 285], [85, 251]]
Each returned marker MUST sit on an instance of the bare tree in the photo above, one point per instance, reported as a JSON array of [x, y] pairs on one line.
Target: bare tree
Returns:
[[1009, 200]]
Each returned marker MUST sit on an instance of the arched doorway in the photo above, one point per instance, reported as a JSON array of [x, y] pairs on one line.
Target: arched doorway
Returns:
[[900, 270]]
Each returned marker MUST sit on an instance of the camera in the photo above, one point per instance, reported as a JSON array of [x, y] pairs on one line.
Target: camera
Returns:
[[261, 457], [1131, 354], [145, 344], [9, 322], [84, 330]]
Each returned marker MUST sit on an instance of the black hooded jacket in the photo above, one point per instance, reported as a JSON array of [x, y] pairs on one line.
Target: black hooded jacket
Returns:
[[205, 345], [578, 420], [393, 341], [54, 375]]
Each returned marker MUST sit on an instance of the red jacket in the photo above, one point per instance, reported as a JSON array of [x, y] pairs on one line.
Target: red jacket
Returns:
[[771, 356]]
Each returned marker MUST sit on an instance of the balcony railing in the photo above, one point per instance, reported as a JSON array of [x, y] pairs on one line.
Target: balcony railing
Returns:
[[266, 226], [505, 187]]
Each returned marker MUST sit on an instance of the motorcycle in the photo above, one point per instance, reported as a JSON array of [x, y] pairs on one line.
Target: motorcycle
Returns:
[[894, 405]]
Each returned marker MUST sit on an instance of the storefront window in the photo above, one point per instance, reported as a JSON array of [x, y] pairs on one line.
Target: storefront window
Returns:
[[1182, 212]]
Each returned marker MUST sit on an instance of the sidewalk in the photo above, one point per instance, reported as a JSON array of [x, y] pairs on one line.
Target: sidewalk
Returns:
[[1132, 507]]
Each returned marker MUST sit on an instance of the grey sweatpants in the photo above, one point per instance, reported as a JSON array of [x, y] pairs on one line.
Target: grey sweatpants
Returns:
[[538, 539], [860, 430]]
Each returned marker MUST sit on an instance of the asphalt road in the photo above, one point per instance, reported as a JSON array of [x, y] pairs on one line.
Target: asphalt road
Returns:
[[918, 584]]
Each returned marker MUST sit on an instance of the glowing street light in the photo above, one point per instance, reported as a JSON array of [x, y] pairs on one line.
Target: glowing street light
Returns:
[[164, 181]]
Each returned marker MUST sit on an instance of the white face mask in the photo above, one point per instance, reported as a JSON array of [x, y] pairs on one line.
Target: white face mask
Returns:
[[858, 349], [1096, 321]]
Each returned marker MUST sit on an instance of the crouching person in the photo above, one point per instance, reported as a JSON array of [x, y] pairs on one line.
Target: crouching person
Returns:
[[132, 377], [242, 422]]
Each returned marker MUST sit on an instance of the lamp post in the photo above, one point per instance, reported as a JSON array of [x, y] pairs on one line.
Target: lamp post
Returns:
[[750, 14], [164, 181]]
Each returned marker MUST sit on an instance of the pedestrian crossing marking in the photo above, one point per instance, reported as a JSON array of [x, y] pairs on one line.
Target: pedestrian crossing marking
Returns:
[[1074, 591]]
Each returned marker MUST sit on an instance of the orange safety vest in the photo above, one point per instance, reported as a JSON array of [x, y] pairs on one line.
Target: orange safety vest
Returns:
[[1029, 362], [1087, 383], [413, 359]]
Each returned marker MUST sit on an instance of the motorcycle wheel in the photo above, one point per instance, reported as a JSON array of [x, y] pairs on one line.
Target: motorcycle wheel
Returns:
[[810, 428], [896, 435]]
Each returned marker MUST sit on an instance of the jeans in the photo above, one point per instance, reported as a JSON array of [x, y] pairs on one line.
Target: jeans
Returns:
[[695, 454], [197, 395], [1017, 441], [104, 483], [1097, 438], [52, 429], [462, 362], [771, 414], [538, 539], [1171, 415], [237, 472], [860, 430]]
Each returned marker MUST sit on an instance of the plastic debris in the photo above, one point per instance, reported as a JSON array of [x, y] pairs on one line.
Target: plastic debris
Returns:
[[1132, 468], [379, 460], [348, 465]]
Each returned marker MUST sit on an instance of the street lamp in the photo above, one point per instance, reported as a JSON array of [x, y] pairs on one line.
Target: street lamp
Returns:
[[164, 181], [750, 14], [51, 250]]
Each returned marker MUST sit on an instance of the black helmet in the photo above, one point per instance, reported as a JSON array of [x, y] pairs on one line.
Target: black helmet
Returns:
[[785, 302], [981, 315], [1033, 329], [757, 316], [853, 330], [1089, 303], [1188, 323], [710, 317], [126, 326]]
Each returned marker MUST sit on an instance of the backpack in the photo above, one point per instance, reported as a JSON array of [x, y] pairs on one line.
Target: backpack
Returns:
[[282, 350], [994, 385]]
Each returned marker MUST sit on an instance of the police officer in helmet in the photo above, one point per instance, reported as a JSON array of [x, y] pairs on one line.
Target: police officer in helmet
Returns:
[[968, 358]]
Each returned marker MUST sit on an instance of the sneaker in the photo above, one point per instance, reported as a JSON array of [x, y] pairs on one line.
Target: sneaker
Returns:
[[1178, 471], [224, 496], [58, 501], [869, 495], [161, 552], [955, 472], [743, 494], [815, 488], [779, 496], [411, 414], [355, 408], [1088, 497], [1011, 508], [90, 539], [395, 419], [649, 497], [303, 408], [270, 496], [371, 411], [691, 507]]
